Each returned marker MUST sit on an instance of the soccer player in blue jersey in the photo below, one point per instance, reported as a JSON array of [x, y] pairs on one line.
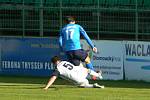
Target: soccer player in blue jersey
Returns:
[[69, 41]]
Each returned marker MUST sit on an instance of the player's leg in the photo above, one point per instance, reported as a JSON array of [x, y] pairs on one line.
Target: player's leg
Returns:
[[93, 73], [72, 58], [88, 63], [81, 80], [96, 85], [82, 73], [75, 56], [85, 84], [83, 56]]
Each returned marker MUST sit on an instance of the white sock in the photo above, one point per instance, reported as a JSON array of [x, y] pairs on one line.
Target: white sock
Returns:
[[91, 72], [86, 84], [89, 86]]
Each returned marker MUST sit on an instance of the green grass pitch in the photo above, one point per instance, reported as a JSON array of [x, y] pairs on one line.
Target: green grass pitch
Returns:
[[30, 88]]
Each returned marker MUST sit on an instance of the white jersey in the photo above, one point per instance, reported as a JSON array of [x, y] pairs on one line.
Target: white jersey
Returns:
[[74, 73]]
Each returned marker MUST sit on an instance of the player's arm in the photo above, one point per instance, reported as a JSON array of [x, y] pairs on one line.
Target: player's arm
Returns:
[[50, 82], [88, 39], [61, 40], [52, 79]]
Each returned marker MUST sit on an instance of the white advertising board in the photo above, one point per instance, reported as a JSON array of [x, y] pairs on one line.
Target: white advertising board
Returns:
[[137, 60], [109, 58]]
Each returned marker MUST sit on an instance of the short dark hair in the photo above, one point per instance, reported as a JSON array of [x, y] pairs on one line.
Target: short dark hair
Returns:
[[69, 19], [55, 59]]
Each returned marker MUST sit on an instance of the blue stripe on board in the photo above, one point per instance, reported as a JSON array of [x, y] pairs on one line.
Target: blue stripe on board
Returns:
[[137, 60], [147, 67]]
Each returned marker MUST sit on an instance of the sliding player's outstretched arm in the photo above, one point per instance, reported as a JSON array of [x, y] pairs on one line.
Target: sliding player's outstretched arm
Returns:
[[50, 82]]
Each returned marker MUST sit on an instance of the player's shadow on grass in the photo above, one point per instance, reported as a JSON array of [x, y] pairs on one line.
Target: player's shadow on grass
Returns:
[[31, 80], [42, 81]]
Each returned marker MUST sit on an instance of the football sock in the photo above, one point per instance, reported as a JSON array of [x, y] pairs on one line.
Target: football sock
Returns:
[[90, 66], [91, 72]]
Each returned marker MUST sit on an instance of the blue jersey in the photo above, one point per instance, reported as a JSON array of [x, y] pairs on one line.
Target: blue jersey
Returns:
[[70, 37]]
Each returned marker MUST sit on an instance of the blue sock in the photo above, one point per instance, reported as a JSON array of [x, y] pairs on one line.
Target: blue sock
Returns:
[[90, 66]]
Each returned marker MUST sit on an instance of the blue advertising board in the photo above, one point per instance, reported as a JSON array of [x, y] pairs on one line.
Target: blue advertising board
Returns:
[[27, 56]]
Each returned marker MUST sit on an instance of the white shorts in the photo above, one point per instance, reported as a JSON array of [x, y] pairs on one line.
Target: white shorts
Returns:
[[81, 76]]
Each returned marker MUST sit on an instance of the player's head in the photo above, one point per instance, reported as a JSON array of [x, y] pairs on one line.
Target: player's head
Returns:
[[70, 19], [55, 59]]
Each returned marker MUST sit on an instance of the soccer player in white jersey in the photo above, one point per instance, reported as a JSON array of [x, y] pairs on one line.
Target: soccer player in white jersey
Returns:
[[76, 74]]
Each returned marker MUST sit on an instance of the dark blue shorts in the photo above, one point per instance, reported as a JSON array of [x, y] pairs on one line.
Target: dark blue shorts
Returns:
[[75, 56]]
